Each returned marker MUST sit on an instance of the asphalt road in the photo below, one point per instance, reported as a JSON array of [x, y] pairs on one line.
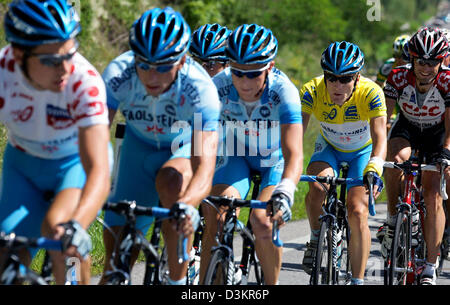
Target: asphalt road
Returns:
[[295, 235]]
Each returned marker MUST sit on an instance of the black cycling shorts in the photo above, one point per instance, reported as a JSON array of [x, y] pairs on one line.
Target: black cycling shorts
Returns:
[[428, 141]]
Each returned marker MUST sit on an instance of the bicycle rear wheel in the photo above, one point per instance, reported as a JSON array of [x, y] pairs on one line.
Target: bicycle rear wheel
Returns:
[[322, 269], [220, 269], [397, 265]]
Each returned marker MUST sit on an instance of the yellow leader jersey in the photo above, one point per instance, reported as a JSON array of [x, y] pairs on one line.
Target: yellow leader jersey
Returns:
[[346, 127]]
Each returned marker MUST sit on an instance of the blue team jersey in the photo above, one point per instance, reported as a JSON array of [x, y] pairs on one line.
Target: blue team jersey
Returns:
[[259, 131], [170, 116]]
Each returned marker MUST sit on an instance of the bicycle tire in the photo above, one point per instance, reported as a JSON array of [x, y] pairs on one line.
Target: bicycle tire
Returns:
[[400, 249], [220, 264], [344, 273], [322, 274]]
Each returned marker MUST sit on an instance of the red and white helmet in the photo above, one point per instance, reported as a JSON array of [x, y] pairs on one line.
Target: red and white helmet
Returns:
[[428, 43]]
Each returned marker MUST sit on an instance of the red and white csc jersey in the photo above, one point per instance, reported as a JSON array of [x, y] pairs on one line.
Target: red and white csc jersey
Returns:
[[44, 123], [401, 86]]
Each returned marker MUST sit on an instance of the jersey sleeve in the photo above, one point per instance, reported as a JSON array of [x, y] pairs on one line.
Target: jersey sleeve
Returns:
[[89, 106], [306, 96], [375, 101], [116, 77], [207, 105], [391, 89], [290, 108]]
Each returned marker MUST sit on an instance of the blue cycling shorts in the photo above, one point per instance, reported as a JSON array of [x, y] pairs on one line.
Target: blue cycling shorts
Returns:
[[236, 171], [357, 160], [27, 186], [139, 163]]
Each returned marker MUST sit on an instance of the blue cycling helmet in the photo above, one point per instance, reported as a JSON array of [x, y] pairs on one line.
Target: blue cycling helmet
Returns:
[[208, 42], [30, 23], [342, 58], [251, 44], [160, 35]]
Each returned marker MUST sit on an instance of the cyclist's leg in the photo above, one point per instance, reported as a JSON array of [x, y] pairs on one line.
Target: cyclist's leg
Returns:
[[61, 211], [357, 211], [171, 181], [135, 180], [399, 147], [269, 255], [67, 191], [323, 163], [231, 179], [434, 223], [435, 217], [22, 206]]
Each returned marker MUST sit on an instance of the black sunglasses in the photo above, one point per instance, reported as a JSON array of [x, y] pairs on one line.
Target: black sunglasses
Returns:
[[250, 74], [342, 79], [55, 60], [428, 62], [161, 68]]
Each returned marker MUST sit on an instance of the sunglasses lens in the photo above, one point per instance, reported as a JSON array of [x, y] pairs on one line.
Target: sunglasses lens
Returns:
[[237, 73], [54, 60], [428, 62], [164, 69], [342, 79], [249, 75]]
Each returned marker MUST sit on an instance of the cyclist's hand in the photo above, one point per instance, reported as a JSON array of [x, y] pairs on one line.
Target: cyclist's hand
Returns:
[[377, 184], [445, 155], [281, 204], [188, 225], [75, 240]]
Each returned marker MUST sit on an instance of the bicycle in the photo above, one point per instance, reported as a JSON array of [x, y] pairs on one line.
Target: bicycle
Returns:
[[407, 254], [120, 275], [222, 265], [14, 272], [332, 264]]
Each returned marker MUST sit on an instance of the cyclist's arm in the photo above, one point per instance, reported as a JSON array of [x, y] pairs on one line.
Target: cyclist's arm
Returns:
[[390, 106], [93, 147], [203, 161], [305, 121], [111, 114], [292, 149], [379, 138]]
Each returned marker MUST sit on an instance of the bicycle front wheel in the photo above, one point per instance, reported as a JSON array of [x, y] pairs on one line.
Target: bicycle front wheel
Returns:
[[220, 269], [397, 265], [323, 269]]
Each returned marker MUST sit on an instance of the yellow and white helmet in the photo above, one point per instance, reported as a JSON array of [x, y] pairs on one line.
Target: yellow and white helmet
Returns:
[[399, 43]]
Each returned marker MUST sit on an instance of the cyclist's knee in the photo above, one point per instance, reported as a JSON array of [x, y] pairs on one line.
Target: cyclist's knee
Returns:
[[169, 184]]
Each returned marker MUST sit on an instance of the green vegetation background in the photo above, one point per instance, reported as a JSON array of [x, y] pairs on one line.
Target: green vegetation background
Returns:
[[303, 28]]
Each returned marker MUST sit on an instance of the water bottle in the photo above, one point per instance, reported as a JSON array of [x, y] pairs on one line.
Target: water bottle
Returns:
[[415, 227]]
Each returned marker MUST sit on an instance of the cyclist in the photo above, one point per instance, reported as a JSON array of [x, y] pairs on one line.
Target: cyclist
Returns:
[[158, 88], [352, 114], [395, 61], [257, 106], [208, 47], [421, 89], [53, 104]]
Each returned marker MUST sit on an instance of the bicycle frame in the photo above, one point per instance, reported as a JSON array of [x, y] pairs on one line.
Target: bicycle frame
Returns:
[[334, 214], [411, 201]]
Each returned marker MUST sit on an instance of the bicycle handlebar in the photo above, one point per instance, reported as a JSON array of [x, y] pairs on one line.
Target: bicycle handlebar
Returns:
[[409, 166], [370, 177], [254, 204], [131, 208], [15, 242]]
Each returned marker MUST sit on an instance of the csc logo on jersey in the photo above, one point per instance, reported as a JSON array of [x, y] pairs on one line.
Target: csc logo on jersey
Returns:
[[399, 78]]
